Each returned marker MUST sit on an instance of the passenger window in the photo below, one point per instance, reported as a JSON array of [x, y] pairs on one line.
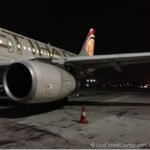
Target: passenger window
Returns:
[[24, 47], [29, 49], [10, 46], [19, 46], [1, 41]]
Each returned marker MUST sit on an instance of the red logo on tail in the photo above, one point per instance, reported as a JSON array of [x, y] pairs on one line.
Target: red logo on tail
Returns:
[[90, 42]]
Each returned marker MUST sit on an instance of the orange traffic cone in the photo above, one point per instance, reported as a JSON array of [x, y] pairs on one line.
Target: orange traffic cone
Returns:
[[83, 115]]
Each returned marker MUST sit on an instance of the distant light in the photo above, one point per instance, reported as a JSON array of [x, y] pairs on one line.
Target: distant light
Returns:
[[78, 94], [146, 86], [128, 84], [87, 80], [141, 86], [114, 85], [87, 85], [91, 80]]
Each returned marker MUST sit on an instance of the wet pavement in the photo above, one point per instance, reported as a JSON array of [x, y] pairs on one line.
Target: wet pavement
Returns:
[[116, 120]]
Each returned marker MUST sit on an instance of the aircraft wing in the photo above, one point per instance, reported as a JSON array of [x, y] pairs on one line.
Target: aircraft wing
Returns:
[[115, 60]]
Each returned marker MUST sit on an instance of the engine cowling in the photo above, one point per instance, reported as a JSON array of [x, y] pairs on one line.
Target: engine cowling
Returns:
[[34, 82]]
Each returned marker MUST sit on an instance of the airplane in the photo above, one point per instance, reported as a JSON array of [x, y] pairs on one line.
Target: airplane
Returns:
[[35, 72]]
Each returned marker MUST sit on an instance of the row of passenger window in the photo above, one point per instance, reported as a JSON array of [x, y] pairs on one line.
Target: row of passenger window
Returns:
[[36, 51], [9, 43]]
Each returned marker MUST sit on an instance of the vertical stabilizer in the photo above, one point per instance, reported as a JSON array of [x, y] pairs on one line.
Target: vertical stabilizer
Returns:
[[88, 47]]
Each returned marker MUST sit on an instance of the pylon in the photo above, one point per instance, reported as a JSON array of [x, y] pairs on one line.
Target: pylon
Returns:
[[83, 118]]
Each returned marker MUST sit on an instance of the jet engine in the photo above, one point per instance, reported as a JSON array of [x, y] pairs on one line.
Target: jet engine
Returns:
[[35, 82]]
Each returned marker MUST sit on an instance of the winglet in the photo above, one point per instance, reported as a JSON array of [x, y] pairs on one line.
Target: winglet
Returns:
[[88, 47]]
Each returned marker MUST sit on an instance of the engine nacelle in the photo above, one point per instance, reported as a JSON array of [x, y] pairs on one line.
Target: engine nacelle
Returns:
[[34, 82]]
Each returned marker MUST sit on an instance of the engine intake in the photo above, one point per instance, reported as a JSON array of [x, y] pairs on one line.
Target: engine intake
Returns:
[[34, 81]]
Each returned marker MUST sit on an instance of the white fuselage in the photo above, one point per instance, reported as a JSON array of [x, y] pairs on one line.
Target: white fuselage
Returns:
[[17, 47]]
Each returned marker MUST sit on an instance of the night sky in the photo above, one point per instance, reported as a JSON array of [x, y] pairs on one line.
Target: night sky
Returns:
[[121, 26]]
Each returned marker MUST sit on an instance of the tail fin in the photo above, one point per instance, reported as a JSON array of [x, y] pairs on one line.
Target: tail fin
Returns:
[[88, 47]]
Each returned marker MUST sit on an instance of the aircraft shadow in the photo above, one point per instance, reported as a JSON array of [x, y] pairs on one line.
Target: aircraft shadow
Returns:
[[6, 102], [23, 110], [91, 103]]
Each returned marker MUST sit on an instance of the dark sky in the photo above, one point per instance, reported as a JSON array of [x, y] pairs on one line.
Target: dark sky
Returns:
[[121, 26]]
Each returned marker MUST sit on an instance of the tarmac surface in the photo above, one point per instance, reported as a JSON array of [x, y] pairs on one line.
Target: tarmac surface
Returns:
[[116, 120]]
